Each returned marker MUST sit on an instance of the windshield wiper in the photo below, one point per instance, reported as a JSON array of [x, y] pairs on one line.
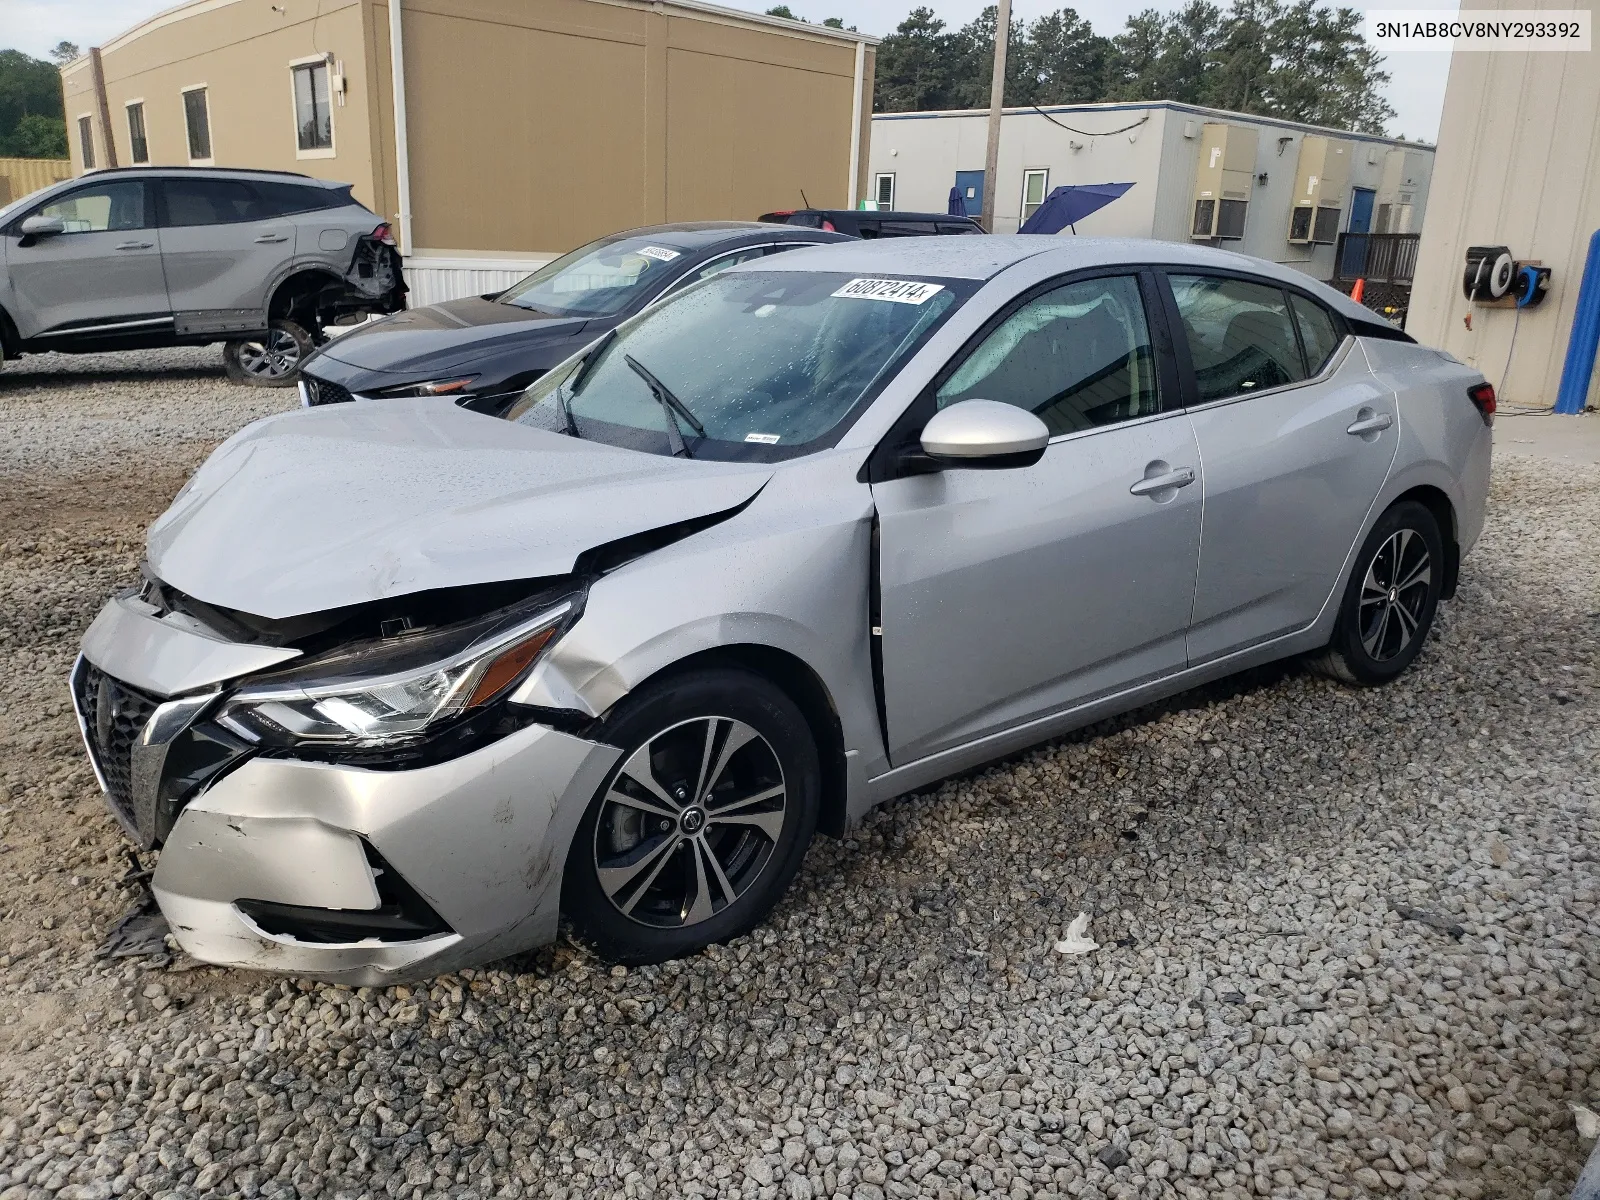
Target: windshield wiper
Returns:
[[567, 387], [671, 405]]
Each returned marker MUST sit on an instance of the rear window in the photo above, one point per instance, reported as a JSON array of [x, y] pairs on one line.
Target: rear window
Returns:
[[601, 279]]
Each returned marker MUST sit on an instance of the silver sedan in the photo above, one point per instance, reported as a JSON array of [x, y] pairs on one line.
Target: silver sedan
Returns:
[[406, 687]]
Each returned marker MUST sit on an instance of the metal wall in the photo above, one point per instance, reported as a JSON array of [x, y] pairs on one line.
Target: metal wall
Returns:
[[1519, 166], [19, 176], [1095, 144]]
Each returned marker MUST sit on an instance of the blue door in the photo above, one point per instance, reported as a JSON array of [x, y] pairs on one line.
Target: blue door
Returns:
[[1361, 210], [1355, 248], [970, 185]]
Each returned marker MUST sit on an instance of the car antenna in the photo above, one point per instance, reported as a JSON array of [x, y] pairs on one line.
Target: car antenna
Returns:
[[803, 199]]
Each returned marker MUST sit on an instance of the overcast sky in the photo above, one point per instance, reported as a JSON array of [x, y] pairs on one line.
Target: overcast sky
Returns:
[[1416, 93]]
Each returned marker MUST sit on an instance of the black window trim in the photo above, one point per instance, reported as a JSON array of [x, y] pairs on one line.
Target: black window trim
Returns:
[[887, 460], [1185, 360]]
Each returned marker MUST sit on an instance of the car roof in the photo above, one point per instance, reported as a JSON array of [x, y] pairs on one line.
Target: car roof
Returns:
[[986, 257], [212, 172], [883, 214]]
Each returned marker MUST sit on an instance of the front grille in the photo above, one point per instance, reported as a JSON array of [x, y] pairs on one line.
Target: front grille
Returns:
[[320, 392], [114, 715]]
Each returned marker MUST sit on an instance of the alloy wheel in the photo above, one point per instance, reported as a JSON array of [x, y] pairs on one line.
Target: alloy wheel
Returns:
[[689, 822], [276, 355], [1394, 594]]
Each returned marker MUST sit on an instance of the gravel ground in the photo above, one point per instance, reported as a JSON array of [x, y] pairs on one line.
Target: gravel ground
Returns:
[[1346, 938]]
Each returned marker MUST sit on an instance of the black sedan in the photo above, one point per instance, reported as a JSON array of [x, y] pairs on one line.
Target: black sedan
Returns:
[[481, 351]]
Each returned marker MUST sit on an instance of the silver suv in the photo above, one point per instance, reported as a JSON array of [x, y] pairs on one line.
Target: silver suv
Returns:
[[144, 257]]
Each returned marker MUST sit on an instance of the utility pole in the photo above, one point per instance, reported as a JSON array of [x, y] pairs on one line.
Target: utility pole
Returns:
[[997, 100]]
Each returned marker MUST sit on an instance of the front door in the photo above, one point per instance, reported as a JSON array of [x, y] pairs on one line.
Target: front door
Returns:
[[1296, 448], [1007, 595], [969, 186], [221, 250], [103, 270], [1361, 210]]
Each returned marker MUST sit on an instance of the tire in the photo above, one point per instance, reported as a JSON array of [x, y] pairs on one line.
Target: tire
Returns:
[[273, 361], [639, 886], [1390, 600]]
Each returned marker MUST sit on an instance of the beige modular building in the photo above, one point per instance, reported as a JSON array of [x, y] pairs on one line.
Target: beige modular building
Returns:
[[1279, 190], [19, 176], [494, 134], [1519, 167]]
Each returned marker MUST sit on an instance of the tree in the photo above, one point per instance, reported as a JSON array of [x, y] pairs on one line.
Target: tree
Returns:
[[65, 52], [915, 68], [783, 10], [1063, 60], [36, 136], [29, 87]]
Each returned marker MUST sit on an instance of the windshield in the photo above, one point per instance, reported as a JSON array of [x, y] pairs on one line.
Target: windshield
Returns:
[[597, 280], [767, 363]]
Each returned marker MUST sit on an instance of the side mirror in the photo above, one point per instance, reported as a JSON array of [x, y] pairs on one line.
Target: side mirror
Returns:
[[43, 227], [985, 433]]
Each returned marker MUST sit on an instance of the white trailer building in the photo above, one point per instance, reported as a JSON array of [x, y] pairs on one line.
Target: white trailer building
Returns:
[[1275, 189]]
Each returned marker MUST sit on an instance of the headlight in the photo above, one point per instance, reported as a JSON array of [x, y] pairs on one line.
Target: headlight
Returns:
[[434, 387], [395, 690]]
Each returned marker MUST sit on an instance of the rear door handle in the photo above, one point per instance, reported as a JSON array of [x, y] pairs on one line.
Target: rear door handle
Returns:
[[134, 245], [267, 238], [1176, 478], [1371, 424]]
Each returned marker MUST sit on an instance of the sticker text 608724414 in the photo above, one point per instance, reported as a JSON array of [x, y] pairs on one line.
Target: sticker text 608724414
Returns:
[[900, 291]]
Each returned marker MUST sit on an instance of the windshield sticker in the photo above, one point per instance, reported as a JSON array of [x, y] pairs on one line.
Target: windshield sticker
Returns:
[[660, 253], [900, 291], [766, 439]]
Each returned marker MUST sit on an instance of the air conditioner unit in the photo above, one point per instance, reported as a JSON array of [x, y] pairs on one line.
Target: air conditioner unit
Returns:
[[1321, 178], [1222, 181]]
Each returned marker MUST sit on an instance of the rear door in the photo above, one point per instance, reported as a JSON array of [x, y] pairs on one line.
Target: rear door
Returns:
[[1008, 595], [221, 246], [1297, 438], [103, 271]]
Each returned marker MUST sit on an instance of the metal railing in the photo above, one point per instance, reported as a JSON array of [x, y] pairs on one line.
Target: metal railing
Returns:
[[1376, 257]]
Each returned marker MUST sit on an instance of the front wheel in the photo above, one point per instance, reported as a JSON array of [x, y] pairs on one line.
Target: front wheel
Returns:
[[697, 832], [271, 361], [1390, 601]]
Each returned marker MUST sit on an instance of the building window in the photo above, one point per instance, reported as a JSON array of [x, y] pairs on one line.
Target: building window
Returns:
[[86, 140], [138, 145], [883, 191], [1034, 189], [197, 120], [1230, 218], [313, 118]]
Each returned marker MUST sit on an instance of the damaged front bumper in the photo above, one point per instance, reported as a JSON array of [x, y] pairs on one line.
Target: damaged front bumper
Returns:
[[332, 871]]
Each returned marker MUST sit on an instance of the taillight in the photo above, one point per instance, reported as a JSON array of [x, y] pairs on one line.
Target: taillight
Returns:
[[828, 225], [1483, 396], [384, 234]]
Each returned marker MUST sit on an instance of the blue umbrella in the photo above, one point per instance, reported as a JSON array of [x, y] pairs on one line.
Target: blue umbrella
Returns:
[[1071, 203], [958, 206]]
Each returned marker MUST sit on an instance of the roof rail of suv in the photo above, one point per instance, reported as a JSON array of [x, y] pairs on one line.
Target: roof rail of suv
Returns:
[[206, 170]]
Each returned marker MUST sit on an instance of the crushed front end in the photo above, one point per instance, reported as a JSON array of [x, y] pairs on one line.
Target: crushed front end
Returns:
[[349, 796]]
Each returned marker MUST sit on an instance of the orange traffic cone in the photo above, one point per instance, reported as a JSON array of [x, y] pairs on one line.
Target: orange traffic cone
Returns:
[[1360, 290]]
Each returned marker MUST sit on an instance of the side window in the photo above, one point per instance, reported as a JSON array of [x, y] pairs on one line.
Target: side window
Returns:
[[1077, 357], [1317, 331], [1240, 335], [906, 229], [280, 199], [211, 202], [107, 208]]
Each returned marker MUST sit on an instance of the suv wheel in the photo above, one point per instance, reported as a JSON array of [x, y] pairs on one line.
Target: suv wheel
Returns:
[[1390, 601], [272, 361], [697, 832]]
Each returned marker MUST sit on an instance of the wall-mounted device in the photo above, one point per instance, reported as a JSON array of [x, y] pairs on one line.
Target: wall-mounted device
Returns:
[[1533, 282], [1320, 180], [1493, 277], [1222, 180]]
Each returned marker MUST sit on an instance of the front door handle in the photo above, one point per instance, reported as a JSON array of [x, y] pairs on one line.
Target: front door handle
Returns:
[[268, 238], [134, 245], [1175, 478], [1368, 421]]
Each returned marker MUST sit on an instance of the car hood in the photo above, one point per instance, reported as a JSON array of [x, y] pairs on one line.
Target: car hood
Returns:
[[457, 331], [327, 507]]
